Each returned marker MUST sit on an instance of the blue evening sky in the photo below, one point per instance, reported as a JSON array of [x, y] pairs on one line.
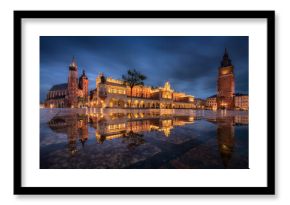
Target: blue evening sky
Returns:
[[189, 63]]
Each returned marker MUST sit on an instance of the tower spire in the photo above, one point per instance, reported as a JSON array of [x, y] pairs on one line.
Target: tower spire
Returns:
[[226, 52], [226, 61], [84, 74], [73, 65]]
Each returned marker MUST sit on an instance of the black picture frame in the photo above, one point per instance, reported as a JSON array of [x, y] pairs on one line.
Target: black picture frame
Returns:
[[269, 189]]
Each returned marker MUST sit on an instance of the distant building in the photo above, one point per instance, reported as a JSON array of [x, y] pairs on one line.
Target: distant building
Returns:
[[225, 84], [241, 101], [211, 102], [199, 103], [112, 93], [72, 94]]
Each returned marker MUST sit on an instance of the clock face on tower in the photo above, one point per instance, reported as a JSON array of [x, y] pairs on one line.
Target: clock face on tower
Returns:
[[225, 71]]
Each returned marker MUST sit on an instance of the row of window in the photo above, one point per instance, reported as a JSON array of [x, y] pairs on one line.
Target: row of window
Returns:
[[116, 91], [53, 94]]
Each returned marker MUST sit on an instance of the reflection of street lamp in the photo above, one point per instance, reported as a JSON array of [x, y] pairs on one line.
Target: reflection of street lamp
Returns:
[[102, 104], [166, 131], [133, 139]]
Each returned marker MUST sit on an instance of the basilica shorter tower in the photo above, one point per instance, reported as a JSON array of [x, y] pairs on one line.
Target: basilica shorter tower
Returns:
[[225, 83]]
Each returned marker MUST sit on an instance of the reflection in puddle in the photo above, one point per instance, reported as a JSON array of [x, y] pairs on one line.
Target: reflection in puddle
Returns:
[[143, 139]]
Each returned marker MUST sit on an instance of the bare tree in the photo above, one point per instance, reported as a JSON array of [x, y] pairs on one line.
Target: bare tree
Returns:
[[132, 79]]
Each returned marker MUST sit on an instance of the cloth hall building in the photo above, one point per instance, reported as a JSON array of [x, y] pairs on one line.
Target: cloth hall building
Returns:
[[112, 93]]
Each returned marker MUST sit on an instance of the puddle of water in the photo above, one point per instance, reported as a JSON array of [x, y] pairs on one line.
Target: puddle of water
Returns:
[[140, 139]]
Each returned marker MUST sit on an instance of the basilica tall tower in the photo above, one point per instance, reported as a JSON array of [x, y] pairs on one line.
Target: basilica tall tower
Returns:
[[226, 83], [72, 86]]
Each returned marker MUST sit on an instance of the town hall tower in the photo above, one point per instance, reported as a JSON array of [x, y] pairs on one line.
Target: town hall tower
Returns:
[[225, 83]]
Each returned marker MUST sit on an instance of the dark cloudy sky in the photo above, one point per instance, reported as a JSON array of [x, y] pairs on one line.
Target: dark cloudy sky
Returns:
[[189, 63]]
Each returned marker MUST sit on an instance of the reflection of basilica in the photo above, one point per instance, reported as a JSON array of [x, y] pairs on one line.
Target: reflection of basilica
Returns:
[[74, 125]]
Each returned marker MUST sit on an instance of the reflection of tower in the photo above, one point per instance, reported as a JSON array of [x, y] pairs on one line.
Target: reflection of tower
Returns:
[[84, 84], [166, 126], [72, 84], [226, 84], [225, 138], [72, 133], [101, 127], [84, 134]]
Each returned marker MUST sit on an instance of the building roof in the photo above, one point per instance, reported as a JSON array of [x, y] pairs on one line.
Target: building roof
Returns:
[[240, 94], [62, 86], [115, 84], [198, 99], [213, 96]]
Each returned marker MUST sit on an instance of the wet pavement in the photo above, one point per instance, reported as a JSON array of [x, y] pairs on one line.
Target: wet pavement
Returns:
[[143, 139]]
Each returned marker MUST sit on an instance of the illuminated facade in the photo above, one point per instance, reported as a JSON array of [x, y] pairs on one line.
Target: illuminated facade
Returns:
[[241, 101], [225, 84], [211, 102], [72, 94], [199, 103], [112, 93]]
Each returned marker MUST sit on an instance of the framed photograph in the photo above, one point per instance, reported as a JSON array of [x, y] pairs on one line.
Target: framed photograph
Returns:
[[144, 102]]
